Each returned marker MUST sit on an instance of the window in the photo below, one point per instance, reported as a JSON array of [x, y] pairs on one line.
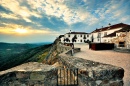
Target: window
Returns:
[[98, 39], [105, 33], [84, 37], [99, 35], [80, 40], [87, 35], [121, 44], [69, 35], [80, 35]]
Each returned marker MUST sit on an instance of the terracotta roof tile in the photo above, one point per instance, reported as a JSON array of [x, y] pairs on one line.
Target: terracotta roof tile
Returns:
[[77, 33], [127, 28], [111, 35], [110, 27]]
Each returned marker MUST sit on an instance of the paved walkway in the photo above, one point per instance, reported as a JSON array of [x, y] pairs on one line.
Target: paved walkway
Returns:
[[107, 57]]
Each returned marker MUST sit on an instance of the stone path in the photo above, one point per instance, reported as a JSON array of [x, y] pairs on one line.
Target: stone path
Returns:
[[108, 57]]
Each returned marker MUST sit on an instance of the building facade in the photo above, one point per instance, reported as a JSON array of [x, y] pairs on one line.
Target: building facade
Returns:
[[75, 37], [105, 34], [117, 34]]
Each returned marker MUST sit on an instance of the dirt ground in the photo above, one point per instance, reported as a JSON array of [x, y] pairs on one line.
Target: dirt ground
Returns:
[[108, 57]]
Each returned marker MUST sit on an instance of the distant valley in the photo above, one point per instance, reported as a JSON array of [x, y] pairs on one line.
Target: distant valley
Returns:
[[12, 54]]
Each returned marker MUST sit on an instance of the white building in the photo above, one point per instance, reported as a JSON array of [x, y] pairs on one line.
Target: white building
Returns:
[[75, 37], [120, 38], [102, 35], [105, 34]]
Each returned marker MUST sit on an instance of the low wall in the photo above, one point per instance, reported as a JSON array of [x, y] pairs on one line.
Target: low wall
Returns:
[[38, 75], [75, 50], [93, 73]]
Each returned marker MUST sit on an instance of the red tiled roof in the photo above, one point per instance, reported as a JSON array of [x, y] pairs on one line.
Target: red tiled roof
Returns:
[[77, 33], [110, 27], [125, 29], [111, 35]]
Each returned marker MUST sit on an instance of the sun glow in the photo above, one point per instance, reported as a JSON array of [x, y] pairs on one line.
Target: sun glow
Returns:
[[20, 30]]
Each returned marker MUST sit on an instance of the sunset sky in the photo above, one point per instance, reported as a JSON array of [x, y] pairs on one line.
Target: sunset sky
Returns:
[[27, 21]]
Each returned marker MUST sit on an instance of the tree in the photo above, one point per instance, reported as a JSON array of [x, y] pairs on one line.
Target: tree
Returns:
[[92, 38], [74, 38], [67, 40]]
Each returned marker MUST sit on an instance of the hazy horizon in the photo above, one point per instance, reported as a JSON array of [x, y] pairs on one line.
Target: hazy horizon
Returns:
[[27, 43]]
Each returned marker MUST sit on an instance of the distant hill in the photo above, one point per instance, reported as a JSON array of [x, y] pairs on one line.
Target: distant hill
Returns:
[[13, 54], [9, 49]]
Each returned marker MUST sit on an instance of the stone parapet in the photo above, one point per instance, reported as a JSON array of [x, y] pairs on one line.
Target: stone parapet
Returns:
[[45, 75], [93, 73]]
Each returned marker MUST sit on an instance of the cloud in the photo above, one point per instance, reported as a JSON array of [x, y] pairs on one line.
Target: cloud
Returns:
[[4, 10], [59, 9], [21, 11], [11, 29], [50, 22], [8, 16], [59, 16]]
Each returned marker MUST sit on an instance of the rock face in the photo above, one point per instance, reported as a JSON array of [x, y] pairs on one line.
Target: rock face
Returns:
[[29, 74], [56, 49]]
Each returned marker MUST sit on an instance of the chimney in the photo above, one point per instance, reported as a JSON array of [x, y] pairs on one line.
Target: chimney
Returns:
[[70, 31], [109, 24]]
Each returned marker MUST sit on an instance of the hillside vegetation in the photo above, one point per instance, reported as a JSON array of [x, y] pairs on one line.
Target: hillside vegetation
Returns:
[[36, 54]]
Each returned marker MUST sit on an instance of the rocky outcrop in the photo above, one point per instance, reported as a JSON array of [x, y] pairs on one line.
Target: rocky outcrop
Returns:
[[55, 50]]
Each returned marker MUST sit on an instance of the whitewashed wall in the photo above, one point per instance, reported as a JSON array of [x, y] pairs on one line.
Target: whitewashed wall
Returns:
[[78, 40], [102, 39]]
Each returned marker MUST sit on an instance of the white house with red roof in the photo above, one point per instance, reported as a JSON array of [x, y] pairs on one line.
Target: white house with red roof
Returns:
[[105, 34], [110, 34]]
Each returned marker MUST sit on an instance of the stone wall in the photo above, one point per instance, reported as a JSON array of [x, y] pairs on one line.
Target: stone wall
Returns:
[[93, 73], [128, 40], [38, 75]]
